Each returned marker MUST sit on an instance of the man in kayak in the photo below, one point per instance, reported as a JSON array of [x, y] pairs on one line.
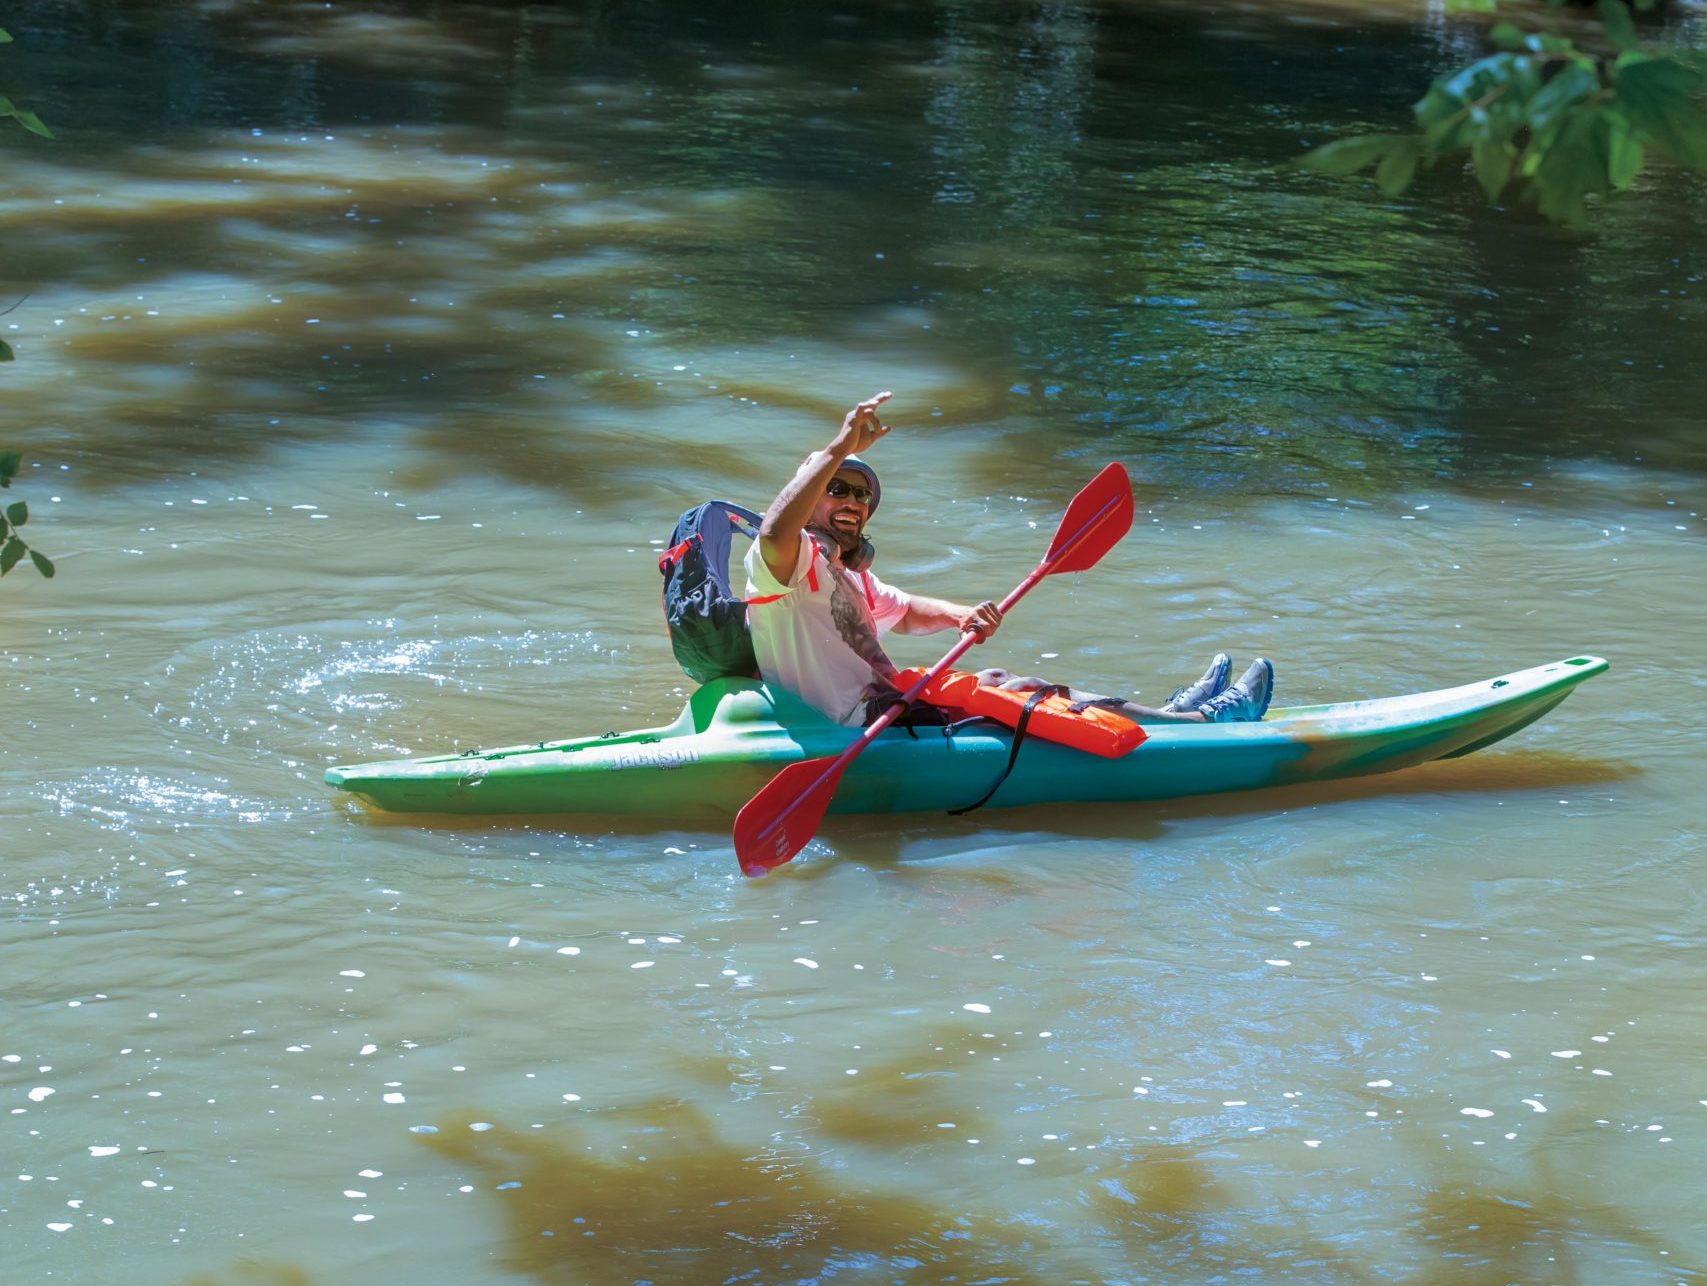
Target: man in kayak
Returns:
[[817, 612]]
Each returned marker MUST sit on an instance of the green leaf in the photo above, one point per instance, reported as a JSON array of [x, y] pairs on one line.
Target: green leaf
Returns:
[[1399, 166], [1656, 96], [5, 351], [5, 38], [1349, 155], [18, 514], [1471, 6], [10, 463], [1555, 104], [1620, 150], [6, 108], [32, 122], [10, 553], [1493, 162], [43, 563], [5, 529], [1506, 35], [1463, 106], [1570, 171], [1620, 28]]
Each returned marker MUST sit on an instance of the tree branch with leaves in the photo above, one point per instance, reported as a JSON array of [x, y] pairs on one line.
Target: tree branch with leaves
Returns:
[[13, 547], [1543, 120], [31, 122]]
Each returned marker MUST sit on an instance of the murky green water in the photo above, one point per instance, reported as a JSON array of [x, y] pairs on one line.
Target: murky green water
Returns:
[[369, 353]]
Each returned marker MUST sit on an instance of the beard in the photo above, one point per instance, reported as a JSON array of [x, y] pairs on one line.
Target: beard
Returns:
[[847, 542]]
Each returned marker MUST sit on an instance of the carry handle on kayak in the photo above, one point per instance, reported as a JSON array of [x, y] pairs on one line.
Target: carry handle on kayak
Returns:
[[781, 819]]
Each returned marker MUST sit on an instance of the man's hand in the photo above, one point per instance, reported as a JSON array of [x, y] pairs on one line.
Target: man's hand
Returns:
[[984, 618], [861, 427]]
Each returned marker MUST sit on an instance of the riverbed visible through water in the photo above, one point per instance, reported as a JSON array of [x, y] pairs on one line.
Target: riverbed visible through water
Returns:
[[369, 353]]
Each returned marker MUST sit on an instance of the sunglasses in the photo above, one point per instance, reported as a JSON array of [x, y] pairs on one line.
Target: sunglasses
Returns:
[[837, 489]]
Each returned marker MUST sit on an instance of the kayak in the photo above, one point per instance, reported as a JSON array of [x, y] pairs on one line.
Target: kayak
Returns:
[[734, 735]]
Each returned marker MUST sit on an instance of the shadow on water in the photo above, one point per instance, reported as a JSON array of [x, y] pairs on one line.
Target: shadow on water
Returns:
[[683, 1203], [659, 1192], [898, 839], [255, 1272], [1079, 219], [1490, 773], [1556, 1223]]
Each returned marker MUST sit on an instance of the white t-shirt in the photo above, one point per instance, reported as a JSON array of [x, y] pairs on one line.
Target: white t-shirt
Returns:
[[821, 643]]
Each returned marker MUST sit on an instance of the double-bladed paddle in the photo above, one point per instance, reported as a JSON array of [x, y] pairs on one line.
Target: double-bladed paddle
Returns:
[[780, 820]]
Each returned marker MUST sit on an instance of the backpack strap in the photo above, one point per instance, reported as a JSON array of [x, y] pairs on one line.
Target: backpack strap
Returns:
[[673, 555], [716, 550]]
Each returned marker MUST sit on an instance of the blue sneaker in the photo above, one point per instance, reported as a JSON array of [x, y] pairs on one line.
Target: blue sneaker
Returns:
[[1247, 700], [1212, 684]]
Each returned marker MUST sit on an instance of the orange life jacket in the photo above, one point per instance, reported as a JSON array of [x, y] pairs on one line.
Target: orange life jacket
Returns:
[[1093, 729]]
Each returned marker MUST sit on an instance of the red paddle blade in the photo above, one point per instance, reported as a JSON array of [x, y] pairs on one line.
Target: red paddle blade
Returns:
[[1094, 523], [781, 819]]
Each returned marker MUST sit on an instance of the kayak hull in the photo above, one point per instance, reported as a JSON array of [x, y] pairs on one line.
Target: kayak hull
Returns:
[[734, 735]]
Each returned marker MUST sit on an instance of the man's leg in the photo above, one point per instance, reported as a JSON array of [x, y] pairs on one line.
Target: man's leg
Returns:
[[1010, 682], [1243, 702]]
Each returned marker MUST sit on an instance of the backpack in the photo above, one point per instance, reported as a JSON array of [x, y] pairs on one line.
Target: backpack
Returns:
[[707, 623]]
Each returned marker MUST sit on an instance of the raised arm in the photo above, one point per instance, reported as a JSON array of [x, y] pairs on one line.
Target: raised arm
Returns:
[[779, 532]]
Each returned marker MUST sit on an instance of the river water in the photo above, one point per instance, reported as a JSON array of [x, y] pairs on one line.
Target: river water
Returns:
[[368, 355]]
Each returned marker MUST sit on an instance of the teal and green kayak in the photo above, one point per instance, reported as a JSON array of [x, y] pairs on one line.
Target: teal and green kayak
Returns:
[[734, 735]]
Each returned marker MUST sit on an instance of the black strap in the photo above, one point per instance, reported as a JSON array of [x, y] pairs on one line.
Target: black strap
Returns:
[[1053, 690]]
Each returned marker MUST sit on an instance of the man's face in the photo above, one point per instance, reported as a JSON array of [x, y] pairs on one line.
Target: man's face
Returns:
[[844, 515]]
